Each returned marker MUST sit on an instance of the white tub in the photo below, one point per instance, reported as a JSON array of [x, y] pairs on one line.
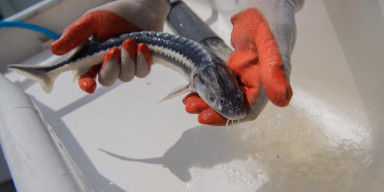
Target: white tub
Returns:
[[328, 139]]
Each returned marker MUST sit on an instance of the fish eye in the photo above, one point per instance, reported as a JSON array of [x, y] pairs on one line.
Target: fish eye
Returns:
[[222, 101]]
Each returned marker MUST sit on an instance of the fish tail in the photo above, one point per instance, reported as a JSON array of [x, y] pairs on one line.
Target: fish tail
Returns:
[[45, 75]]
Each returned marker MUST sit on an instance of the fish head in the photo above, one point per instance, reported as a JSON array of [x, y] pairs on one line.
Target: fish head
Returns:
[[218, 87]]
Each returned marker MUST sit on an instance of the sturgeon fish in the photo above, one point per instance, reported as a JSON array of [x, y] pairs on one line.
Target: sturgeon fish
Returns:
[[208, 75]]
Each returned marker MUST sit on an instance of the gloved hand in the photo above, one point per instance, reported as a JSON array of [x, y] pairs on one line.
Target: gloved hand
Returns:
[[110, 20], [263, 38]]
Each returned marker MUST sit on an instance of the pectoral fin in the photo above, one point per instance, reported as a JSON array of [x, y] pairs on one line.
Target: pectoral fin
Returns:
[[177, 91]]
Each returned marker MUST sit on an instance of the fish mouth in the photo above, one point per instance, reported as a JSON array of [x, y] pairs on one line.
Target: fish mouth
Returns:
[[234, 114], [236, 117]]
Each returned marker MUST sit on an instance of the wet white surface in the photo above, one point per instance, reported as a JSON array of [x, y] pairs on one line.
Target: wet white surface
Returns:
[[124, 139]]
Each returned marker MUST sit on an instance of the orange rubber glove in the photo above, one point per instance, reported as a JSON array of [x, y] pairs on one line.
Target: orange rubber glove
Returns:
[[111, 20], [261, 59]]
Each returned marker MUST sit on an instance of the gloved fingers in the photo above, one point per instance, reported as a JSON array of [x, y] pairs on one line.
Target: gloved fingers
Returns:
[[242, 60], [190, 97], [246, 66], [101, 25], [194, 103], [73, 35], [108, 24], [124, 64], [110, 69], [211, 117], [87, 80], [143, 61], [277, 87], [252, 95], [271, 64], [128, 60], [272, 71]]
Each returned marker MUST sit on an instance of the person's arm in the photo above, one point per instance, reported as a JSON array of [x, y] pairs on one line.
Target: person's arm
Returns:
[[109, 20], [263, 37]]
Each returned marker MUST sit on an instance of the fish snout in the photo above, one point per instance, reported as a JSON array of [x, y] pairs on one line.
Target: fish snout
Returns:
[[234, 111], [237, 114]]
